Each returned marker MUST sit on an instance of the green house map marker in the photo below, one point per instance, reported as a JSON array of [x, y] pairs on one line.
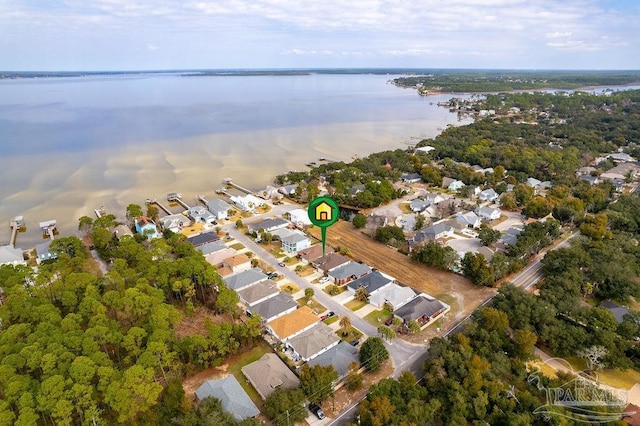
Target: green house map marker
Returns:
[[323, 212]]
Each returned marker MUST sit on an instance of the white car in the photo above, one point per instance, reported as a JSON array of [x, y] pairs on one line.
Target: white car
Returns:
[[323, 280]]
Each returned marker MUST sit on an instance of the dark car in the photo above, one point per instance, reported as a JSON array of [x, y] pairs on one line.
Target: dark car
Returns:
[[330, 314], [355, 342], [281, 264], [272, 275], [316, 410]]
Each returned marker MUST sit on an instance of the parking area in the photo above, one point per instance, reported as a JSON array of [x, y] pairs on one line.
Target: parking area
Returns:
[[513, 218], [463, 245]]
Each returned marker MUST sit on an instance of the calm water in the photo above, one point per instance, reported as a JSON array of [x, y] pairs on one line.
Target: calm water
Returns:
[[70, 145]]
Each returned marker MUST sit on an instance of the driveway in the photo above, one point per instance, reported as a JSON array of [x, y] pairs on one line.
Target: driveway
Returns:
[[463, 245], [513, 218]]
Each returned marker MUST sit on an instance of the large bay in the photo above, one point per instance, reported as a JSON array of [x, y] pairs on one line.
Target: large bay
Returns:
[[70, 145]]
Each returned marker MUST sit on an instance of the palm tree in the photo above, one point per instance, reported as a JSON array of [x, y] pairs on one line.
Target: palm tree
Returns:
[[362, 295], [345, 324]]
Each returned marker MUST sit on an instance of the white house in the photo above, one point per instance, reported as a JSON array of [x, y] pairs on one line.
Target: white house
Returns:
[[452, 184], [300, 217], [200, 214], [295, 242], [469, 219], [488, 195], [247, 203], [488, 213], [174, 222], [9, 255], [411, 177], [425, 149], [219, 208]]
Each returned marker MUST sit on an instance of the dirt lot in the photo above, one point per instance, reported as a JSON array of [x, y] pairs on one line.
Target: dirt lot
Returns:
[[420, 277], [195, 324]]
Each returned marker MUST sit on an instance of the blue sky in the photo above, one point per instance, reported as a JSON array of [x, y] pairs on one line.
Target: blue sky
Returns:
[[203, 34]]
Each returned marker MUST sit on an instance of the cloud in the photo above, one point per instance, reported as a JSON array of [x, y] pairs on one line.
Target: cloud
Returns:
[[152, 47]]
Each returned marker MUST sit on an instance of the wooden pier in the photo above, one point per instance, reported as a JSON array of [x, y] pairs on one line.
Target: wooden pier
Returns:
[[203, 200], [157, 203], [48, 227], [16, 225], [229, 181], [99, 212], [175, 197]]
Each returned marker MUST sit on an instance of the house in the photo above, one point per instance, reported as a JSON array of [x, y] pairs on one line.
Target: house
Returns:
[[434, 198], [300, 218], [457, 226], [268, 374], [217, 257], [473, 191], [268, 225], [372, 282], [219, 208], [238, 263], [418, 204], [274, 307], [340, 357], [433, 233], [486, 252], [618, 311], [245, 279], [247, 203], [288, 190], [587, 170], [212, 247], [621, 157], [425, 149], [174, 222], [311, 254], [258, 293], [621, 171], [146, 227], [348, 272], [488, 213], [488, 195], [533, 182], [423, 309], [9, 255], [452, 184], [121, 231], [290, 325], [393, 295], [270, 192], [292, 244], [330, 261], [313, 342], [43, 253], [469, 219], [511, 236], [203, 238], [232, 397], [199, 214], [448, 207], [591, 180], [411, 177]]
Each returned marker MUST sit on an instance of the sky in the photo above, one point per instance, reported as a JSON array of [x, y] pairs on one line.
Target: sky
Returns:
[[91, 35]]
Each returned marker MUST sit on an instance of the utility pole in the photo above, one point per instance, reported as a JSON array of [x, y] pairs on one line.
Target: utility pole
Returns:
[[288, 418]]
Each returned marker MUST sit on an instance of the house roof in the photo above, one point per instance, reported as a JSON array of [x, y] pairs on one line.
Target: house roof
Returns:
[[618, 311], [143, 221], [418, 204], [486, 211], [330, 261], [426, 148], [246, 278], [314, 252], [269, 373], [446, 181], [231, 395], [486, 252], [372, 282], [238, 259], [350, 269], [217, 257], [394, 294], [488, 194], [292, 323], [533, 182], [274, 306], [259, 291], [411, 176], [10, 254], [339, 356], [267, 224], [430, 232], [205, 237], [294, 238], [300, 216], [418, 307], [212, 247], [122, 230], [310, 343], [469, 218], [218, 205]]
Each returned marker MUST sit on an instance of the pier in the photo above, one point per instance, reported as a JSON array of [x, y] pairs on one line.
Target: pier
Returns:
[[229, 181], [175, 197], [99, 212], [149, 201], [49, 228], [203, 200], [16, 225]]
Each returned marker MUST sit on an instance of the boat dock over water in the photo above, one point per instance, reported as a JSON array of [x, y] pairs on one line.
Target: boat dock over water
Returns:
[[229, 181], [16, 225], [176, 197], [49, 227], [149, 201]]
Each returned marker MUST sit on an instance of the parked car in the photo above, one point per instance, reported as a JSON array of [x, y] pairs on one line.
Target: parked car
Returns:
[[272, 275], [355, 342], [315, 409], [281, 264], [323, 280]]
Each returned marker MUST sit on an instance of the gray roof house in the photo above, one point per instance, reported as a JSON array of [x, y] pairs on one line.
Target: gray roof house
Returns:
[[340, 356], [42, 251], [314, 341], [422, 309], [201, 214], [488, 213], [9, 255], [348, 272], [257, 293], [418, 205], [469, 219], [274, 307], [219, 208], [269, 373], [204, 238], [411, 177], [268, 225], [211, 247], [233, 398], [433, 232], [488, 195], [295, 242], [373, 282], [618, 311], [393, 295], [174, 222], [245, 279]]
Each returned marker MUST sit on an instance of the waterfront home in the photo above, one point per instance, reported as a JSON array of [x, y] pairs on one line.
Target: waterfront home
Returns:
[[295, 242], [9, 255], [146, 227], [274, 307], [268, 374], [393, 295], [312, 342], [423, 309], [425, 149], [247, 203], [232, 397], [219, 208], [174, 222], [44, 253], [199, 214], [290, 325], [245, 279], [269, 193], [288, 190], [488, 213], [121, 231], [348, 272], [300, 218], [268, 225]]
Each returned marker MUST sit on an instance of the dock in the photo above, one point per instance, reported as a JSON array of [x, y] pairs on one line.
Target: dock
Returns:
[[203, 200], [99, 212], [16, 225], [176, 197], [229, 181], [48, 227], [149, 201]]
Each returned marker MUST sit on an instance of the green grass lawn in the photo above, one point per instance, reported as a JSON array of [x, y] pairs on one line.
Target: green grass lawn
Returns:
[[352, 334], [624, 379], [331, 320], [237, 246], [378, 317], [313, 305], [341, 289], [239, 361], [354, 304]]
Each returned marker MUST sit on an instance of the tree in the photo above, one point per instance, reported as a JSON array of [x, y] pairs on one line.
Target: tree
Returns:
[[133, 211], [433, 254], [488, 235], [85, 223], [361, 295], [153, 212], [359, 220], [285, 406], [385, 234], [308, 293], [317, 381], [414, 327], [508, 201], [239, 224], [431, 175], [373, 353], [420, 220], [594, 356], [474, 267], [537, 207], [345, 324], [387, 333], [354, 378]]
